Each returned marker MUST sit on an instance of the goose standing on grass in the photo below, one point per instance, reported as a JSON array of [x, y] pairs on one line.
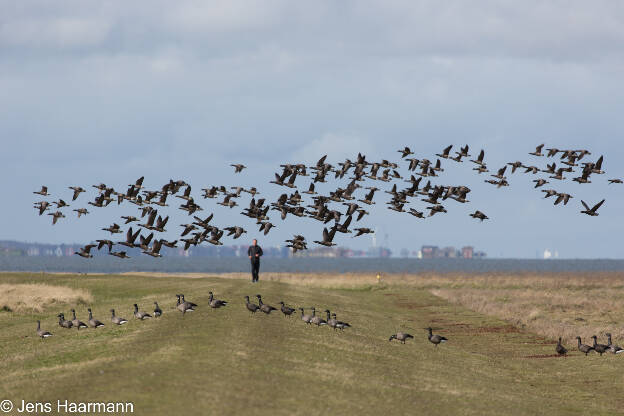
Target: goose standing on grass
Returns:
[[251, 307], [140, 315], [183, 306], [157, 310], [76, 322], [317, 320], [560, 349], [339, 324], [286, 310], [613, 348], [401, 336], [264, 307], [116, 319], [41, 333], [92, 321], [62, 322], [215, 303], [305, 317], [599, 348], [330, 321], [584, 348], [435, 339], [191, 304]]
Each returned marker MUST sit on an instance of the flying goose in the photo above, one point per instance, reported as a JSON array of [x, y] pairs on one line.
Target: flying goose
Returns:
[[157, 311], [76, 322], [286, 310], [401, 336], [215, 303], [85, 251], [305, 317], [140, 315], [599, 348], [80, 211], [613, 348], [116, 319], [538, 151], [56, 215], [584, 347], [120, 254], [41, 332], [77, 191], [611, 181], [92, 321], [251, 307], [560, 349], [435, 339], [43, 191], [238, 167], [264, 307], [445, 153], [592, 212], [479, 215], [63, 323]]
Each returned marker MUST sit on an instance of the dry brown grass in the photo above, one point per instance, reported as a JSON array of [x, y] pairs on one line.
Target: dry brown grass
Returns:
[[36, 297], [552, 305]]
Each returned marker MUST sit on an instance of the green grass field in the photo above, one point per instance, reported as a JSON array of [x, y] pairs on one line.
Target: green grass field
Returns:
[[227, 362]]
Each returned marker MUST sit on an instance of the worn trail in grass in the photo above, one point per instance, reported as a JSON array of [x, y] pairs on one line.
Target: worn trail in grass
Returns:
[[226, 361]]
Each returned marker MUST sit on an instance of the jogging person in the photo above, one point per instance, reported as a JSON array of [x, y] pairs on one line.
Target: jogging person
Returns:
[[254, 252]]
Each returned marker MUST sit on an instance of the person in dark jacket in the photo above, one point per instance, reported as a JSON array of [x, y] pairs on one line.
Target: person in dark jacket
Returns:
[[254, 252]]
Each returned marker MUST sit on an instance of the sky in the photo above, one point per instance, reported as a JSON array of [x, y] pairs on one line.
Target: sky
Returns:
[[110, 91]]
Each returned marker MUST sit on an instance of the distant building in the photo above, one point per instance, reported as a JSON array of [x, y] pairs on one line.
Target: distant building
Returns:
[[467, 252]]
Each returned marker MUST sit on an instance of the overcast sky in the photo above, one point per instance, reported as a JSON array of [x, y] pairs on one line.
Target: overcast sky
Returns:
[[109, 91]]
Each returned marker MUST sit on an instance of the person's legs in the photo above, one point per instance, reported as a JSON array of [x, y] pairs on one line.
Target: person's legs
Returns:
[[255, 266]]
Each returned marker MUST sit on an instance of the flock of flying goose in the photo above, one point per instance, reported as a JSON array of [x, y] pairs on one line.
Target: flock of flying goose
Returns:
[[185, 306], [326, 209]]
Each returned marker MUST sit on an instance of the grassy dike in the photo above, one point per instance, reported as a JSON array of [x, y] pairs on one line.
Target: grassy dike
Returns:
[[228, 362]]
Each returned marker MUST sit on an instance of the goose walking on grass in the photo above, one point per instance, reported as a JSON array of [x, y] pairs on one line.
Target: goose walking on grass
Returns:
[[62, 322], [599, 348], [264, 307], [584, 348], [560, 349], [251, 307], [92, 321], [317, 320], [76, 322], [215, 303], [305, 317], [140, 315], [117, 320], [401, 336], [339, 324], [435, 339], [286, 310], [157, 310], [41, 333], [613, 348]]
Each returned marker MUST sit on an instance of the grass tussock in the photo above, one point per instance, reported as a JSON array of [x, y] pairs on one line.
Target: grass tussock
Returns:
[[31, 298]]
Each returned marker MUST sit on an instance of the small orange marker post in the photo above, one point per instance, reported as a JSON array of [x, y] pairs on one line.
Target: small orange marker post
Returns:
[[378, 277]]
